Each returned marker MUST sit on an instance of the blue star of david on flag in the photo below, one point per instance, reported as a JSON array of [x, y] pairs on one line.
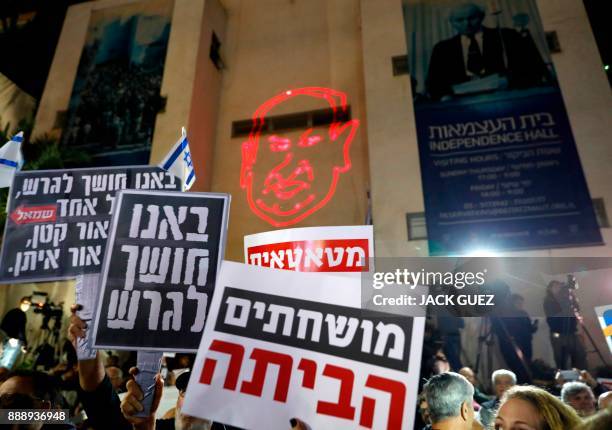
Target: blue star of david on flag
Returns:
[[179, 162]]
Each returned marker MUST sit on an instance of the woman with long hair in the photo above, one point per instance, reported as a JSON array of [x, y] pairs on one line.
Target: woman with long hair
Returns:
[[532, 408]]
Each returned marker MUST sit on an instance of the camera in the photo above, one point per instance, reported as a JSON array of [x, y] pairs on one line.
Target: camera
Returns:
[[41, 304], [50, 310]]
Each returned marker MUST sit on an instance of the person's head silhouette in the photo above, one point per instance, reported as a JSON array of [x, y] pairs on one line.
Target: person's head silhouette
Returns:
[[467, 18], [281, 171]]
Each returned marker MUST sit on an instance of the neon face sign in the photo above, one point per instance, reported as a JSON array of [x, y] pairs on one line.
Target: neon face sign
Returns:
[[288, 183]]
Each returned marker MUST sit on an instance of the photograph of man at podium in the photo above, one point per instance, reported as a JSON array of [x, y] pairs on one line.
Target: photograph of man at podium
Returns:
[[485, 95], [466, 48], [484, 58]]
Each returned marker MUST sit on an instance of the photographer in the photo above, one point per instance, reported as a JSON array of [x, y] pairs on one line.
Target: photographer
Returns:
[[14, 323], [560, 307], [520, 327]]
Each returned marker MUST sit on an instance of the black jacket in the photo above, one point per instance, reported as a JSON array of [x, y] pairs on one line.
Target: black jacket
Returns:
[[525, 66], [557, 316]]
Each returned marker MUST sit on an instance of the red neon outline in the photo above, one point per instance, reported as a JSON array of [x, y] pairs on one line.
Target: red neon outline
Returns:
[[279, 144], [251, 146], [306, 140], [285, 188]]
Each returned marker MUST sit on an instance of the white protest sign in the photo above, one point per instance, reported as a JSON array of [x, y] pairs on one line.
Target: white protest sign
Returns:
[[312, 249], [279, 344]]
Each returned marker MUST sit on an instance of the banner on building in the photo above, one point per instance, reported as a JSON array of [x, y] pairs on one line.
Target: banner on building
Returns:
[[115, 97], [298, 345], [159, 271], [58, 220], [499, 163], [604, 316], [312, 249]]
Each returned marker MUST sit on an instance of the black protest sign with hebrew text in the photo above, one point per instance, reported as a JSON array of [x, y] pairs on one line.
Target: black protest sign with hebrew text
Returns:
[[160, 269], [302, 326], [58, 220]]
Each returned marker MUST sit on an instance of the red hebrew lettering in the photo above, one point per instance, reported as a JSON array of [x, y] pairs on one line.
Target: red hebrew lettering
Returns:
[[342, 408], [309, 367], [236, 353], [331, 255], [396, 407], [262, 359], [366, 418]]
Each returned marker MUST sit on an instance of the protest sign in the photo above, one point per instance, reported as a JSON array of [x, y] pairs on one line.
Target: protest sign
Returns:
[[604, 316], [312, 249], [160, 269], [298, 345], [58, 220]]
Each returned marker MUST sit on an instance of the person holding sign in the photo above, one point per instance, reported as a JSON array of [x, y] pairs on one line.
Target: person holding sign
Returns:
[[131, 405], [102, 404], [100, 401]]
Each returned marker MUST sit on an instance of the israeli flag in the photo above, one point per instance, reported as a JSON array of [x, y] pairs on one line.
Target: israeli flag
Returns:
[[178, 162], [11, 160]]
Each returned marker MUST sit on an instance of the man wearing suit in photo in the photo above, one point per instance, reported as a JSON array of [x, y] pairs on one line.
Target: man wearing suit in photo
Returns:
[[477, 51]]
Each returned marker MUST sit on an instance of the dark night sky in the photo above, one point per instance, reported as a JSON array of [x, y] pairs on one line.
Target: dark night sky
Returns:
[[27, 52], [599, 15]]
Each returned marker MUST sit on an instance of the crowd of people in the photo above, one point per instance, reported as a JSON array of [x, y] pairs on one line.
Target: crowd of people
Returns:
[[102, 393], [117, 106], [453, 397], [448, 402]]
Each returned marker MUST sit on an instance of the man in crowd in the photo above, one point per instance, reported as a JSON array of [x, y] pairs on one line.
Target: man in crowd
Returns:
[[560, 307], [479, 396], [423, 421], [32, 390], [102, 404], [580, 397], [449, 398], [605, 400], [14, 322], [583, 376], [131, 405], [520, 327], [502, 381], [449, 326], [115, 374]]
